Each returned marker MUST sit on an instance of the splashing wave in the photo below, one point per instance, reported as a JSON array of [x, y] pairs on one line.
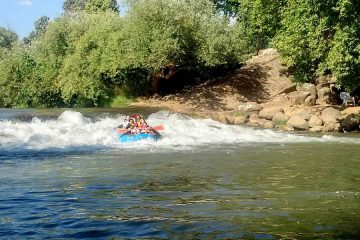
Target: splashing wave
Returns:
[[71, 130]]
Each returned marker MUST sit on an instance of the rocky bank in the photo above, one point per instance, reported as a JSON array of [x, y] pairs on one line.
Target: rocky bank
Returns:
[[261, 94]]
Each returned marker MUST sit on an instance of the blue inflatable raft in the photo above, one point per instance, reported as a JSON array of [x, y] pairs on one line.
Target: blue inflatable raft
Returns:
[[137, 137]]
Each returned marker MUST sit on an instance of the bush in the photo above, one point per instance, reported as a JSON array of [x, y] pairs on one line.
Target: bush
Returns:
[[80, 59]]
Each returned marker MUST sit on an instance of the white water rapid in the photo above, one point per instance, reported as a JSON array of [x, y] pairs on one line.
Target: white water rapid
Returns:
[[71, 130]]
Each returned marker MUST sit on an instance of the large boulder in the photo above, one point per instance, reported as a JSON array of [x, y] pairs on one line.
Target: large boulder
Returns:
[[298, 97], [324, 81], [310, 101], [281, 100], [298, 123], [255, 121], [241, 119], [317, 129], [266, 123], [269, 112], [223, 118], [330, 115], [249, 107], [350, 123], [305, 114], [315, 121], [280, 119], [328, 127], [307, 87], [328, 95], [324, 94]]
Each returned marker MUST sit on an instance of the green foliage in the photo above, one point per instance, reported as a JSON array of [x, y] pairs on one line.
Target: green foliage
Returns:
[[83, 77], [89, 58], [260, 20], [7, 38], [182, 32], [40, 27], [344, 57], [90, 6], [41, 24], [302, 41], [321, 37], [120, 100], [22, 82], [72, 6], [90, 55], [112, 52], [229, 7]]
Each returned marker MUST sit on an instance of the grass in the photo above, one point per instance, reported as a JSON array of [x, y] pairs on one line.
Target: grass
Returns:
[[280, 122], [121, 101]]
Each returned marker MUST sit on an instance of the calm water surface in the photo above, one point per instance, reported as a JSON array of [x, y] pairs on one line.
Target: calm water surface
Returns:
[[65, 176]]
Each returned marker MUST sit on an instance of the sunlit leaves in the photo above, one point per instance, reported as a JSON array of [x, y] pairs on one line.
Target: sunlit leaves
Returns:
[[7, 37]]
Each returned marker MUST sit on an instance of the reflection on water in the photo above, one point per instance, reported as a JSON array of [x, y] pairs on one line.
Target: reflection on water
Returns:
[[229, 191]]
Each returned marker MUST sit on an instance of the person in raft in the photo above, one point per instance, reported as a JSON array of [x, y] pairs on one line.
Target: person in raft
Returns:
[[137, 124]]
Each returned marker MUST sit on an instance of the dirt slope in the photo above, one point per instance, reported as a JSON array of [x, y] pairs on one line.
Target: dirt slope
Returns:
[[259, 80]]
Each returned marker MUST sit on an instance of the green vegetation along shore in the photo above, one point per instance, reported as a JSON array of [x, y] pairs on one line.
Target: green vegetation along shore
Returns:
[[94, 56]]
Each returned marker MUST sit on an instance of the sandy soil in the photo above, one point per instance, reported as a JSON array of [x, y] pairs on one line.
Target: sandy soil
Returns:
[[259, 80]]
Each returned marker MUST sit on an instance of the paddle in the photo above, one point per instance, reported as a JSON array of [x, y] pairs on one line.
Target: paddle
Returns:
[[157, 128]]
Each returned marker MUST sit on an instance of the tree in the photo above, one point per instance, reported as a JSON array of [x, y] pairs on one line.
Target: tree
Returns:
[[40, 27], [7, 37], [344, 57], [260, 20], [229, 7], [87, 57], [72, 6], [101, 5], [41, 24], [90, 6], [319, 38]]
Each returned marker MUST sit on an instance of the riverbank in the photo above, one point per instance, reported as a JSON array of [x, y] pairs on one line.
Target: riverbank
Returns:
[[261, 94]]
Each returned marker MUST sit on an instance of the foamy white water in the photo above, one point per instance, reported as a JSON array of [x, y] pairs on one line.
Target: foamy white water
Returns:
[[71, 130]]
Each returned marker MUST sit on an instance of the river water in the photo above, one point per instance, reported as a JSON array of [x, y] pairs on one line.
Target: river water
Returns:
[[64, 175]]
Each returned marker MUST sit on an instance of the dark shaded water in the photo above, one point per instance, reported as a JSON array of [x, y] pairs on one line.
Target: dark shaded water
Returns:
[[287, 187]]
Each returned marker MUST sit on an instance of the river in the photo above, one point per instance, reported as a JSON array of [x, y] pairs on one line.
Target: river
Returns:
[[64, 175]]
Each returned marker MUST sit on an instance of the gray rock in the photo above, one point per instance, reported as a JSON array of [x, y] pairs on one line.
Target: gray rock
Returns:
[[330, 115], [269, 112], [222, 118], [280, 119], [286, 128], [298, 122], [305, 114], [251, 124], [331, 126], [250, 107], [298, 97], [315, 121], [324, 81], [254, 119], [266, 123], [238, 120], [317, 129], [328, 95], [310, 101], [308, 87], [350, 123], [324, 94]]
